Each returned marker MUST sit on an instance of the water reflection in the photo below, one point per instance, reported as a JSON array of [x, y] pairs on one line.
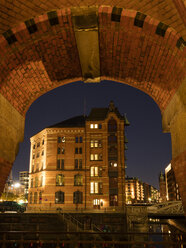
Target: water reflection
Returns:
[[163, 234]]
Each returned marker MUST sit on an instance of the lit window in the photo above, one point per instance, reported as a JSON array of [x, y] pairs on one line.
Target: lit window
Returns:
[[95, 156], [78, 180], [96, 202], [93, 126], [96, 187], [59, 180], [96, 143], [91, 156], [92, 171], [92, 187], [95, 171]]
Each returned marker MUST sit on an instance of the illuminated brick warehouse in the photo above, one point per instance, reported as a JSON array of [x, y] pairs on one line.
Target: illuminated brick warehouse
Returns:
[[79, 163]]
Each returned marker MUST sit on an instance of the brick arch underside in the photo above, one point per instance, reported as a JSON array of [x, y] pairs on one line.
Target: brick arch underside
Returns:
[[34, 62]]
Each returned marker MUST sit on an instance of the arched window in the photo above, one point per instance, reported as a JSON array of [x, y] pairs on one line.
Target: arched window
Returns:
[[78, 180], [78, 197], [59, 197], [112, 125], [60, 180]]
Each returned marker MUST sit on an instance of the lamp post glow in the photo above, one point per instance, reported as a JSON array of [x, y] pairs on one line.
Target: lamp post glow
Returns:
[[17, 185]]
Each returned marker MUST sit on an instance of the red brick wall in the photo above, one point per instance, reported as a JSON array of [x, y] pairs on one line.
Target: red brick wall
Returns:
[[47, 58]]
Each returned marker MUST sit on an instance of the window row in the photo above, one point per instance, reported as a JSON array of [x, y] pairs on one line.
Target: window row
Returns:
[[37, 167], [78, 150], [36, 197], [95, 143], [60, 180], [96, 188], [95, 171], [37, 155], [78, 139], [77, 164], [38, 144], [96, 156], [95, 126], [38, 183], [62, 139]]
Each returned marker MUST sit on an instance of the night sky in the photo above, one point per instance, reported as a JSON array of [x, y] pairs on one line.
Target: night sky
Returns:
[[149, 149]]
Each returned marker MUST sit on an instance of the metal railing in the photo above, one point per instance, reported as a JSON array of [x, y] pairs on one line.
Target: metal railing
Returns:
[[47, 239]]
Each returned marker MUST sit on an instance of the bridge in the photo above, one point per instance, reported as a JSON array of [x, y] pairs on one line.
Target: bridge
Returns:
[[167, 208]]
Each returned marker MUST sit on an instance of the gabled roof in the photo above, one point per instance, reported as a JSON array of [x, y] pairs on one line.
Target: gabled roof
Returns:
[[78, 121], [97, 114]]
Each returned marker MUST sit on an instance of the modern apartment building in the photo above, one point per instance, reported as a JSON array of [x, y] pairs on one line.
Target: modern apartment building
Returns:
[[79, 163], [172, 190], [134, 190], [24, 179], [139, 192]]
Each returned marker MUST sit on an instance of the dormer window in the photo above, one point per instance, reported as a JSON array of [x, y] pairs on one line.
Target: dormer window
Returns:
[[94, 126]]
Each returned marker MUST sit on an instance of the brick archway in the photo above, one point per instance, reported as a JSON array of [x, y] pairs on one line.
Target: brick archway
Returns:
[[133, 48]]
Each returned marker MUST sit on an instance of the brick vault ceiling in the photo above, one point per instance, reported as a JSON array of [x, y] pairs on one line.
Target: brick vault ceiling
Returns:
[[170, 12]]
